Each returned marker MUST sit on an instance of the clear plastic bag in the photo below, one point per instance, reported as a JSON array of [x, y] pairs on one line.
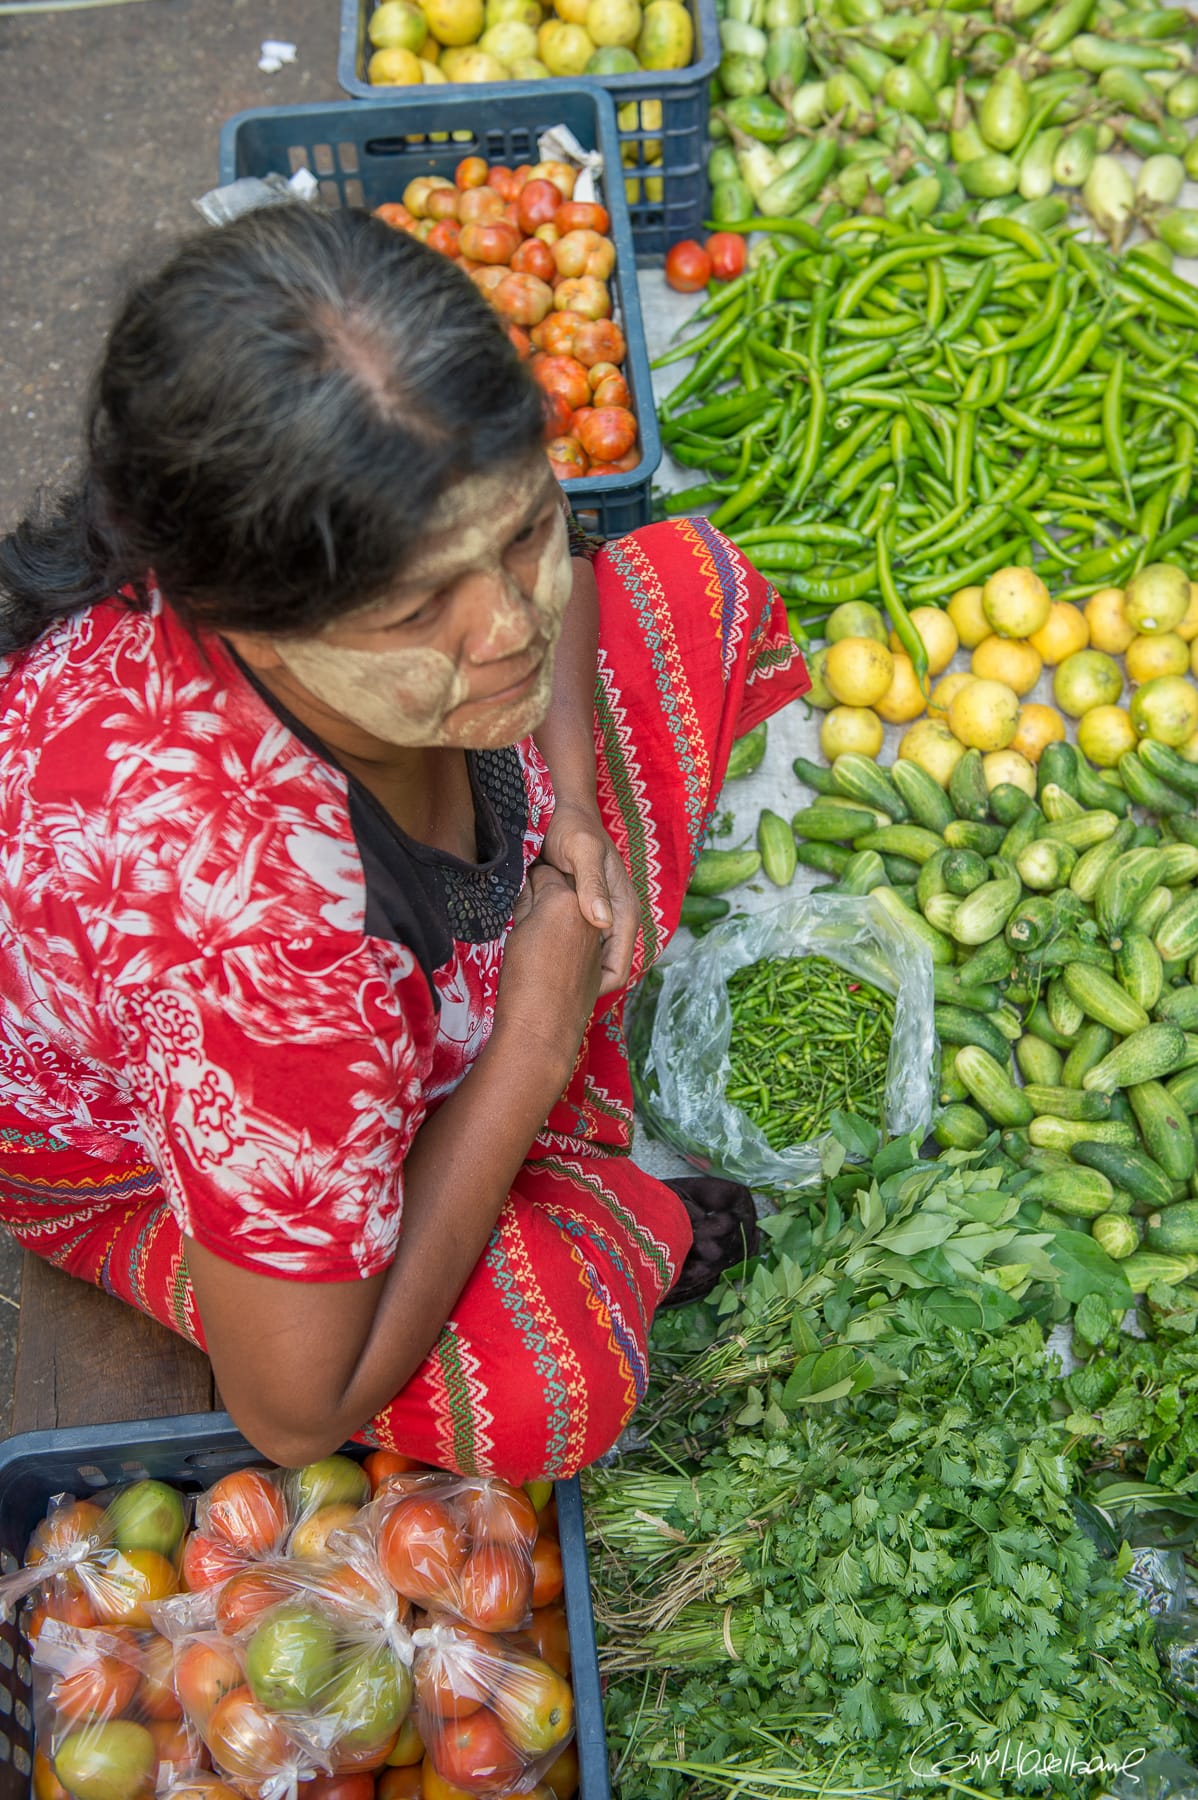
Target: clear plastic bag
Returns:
[[494, 1718], [683, 1069], [460, 1546], [105, 1711], [102, 1561]]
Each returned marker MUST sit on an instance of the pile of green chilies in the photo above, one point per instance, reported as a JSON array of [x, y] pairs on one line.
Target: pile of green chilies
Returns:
[[893, 414], [807, 1036]]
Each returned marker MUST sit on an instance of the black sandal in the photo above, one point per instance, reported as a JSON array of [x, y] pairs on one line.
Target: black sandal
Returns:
[[725, 1225]]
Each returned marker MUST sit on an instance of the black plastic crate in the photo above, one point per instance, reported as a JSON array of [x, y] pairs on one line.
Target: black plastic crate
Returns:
[[664, 107], [365, 155], [193, 1451]]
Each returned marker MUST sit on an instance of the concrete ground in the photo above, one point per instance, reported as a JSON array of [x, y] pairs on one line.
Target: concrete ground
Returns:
[[109, 120]]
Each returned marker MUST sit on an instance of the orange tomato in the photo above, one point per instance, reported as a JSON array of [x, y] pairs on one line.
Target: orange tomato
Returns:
[[46, 1785], [64, 1529], [476, 1753], [487, 277], [494, 242], [245, 1739], [435, 1787], [244, 1597], [445, 236], [520, 341], [205, 1787], [421, 1548], [547, 1577], [400, 1784], [567, 458], [532, 257], [503, 181], [205, 1562], [471, 172], [585, 294], [174, 1743], [608, 433], [495, 1587], [562, 374], [395, 214], [583, 215], [131, 1581], [62, 1599], [205, 1671], [547, 1635], [100, 1682], [445, 1689], [157, 1698], [563, 1775], [584, 253], [598, 340], [480, 206], [348, 1589], [339, 1787], [524, 299], [562, 174], [556, 334], [443, 203], [498, 1511], [537, 203], [247, 1511], [612, 391]]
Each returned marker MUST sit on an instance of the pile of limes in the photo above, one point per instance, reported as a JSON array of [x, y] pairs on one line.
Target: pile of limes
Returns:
[[422, 42]]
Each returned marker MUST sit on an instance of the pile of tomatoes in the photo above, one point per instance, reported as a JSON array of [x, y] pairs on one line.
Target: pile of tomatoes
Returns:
[[374, 1631], [544, 260]]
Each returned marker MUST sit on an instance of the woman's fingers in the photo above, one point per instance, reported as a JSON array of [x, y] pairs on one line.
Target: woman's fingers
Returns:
[[620, 941]]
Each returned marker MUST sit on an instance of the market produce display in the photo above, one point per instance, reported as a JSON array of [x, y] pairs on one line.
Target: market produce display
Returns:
[[544, 261], [823, 106], [337, 1632], [894, 414], [503, 40]]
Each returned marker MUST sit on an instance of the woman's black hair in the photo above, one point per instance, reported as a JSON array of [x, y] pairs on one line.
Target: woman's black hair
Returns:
[[275, 412]]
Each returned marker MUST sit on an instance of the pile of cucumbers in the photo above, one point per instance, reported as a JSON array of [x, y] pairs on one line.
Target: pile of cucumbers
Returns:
[[1064, 942]]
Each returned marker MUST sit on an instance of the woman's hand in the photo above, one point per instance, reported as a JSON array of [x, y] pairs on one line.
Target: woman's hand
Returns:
[[550, 978], [577, 844]]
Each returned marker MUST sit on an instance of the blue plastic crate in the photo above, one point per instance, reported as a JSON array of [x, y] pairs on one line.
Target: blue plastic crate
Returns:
[[365, 155], [193, 1451], [660, 217]]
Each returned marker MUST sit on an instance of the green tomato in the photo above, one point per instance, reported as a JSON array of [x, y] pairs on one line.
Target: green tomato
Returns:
[[148, 1515], [290, 1657], [333, 1481]]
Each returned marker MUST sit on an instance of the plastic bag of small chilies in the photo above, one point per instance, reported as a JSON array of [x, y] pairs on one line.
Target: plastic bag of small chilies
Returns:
[[105, 1714], [460, 1546], [101, 1561], [680, 1054], [493, 1718]]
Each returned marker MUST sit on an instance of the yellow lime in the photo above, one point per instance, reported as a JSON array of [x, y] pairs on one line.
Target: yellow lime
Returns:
[[1157, 598], [1016, 602], [819, 694], [1188, 628], [397, 25], [1109, 629], [667, 36], [965, 611], [1104, 734], [563, 47], [931, 744], [945, 688], [477, 65], [574, 12], [1064, 631], [1009, 768], [527, 12], [904, 699], [394, 68], [508, 41], [455, 22], [939, 635], [612, 62], [529, 68], [848, 728], [1039, 726], [1009, 660], [854, 618], [985, 715], [1166, 709], [858, 670], [1161, 653], [613, 23], [1085, 679]]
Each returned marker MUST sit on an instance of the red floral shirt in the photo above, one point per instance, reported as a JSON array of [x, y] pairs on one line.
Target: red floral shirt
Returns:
[[216, 948]]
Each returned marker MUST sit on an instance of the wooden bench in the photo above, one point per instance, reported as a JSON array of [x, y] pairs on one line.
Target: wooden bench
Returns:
[[84, 1358]]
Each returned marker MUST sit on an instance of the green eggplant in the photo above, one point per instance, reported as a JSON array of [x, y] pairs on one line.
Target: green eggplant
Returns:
[[1005, 110], [786, 61], [1181, 101], [1035, 165], [731, 202], [1075, 157], [905, 89], [1129, 90], [741, 76], [870, 66], [758, 116], [721, 165]]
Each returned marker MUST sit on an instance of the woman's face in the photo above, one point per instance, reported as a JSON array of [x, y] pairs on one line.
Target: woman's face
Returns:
[[460, 652]]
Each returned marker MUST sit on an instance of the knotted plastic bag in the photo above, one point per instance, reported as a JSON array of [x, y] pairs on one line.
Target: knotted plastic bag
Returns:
[[679, 1056]]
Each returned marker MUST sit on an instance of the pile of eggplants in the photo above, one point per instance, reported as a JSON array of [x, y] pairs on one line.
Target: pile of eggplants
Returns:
[[857, 106]]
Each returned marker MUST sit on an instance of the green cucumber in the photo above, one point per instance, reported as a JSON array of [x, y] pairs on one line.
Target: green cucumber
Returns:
[[1080, 1193], [911, 841], [991, 1087], [1048, 1133], [1124, 887], [1100, 997], [829, 859], [1084, 832], [1165, 1129], [1066, 1102], [1179, 1006], [1089, 1047], [776, 845], [940, 947], [1164, 762], [971, 834], [747, 753], [1175, 1229], [718, 870], [863, 872], [1177, 936], [1031, 923], [960, 1025], [1008, 803], [951, 991], [813, 775], [1039, 1022], [1147, 790], [1152, 1268], [1131, 1170], [1024, 830], [1145, 1055], [859, 778], [1057, 768], [924, 798], [1152, 912], [964, 870], [1093, 863], [1038, 1062], [834, 823], [1057, 802], [1138, 969], [1064, 1011], [703, 910], [967, 788], [1118, 1235], [994, 961], [983, 913], [959, 1127]]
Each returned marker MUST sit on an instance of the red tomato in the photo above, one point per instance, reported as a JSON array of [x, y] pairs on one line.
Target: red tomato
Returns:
[[608, 433], [561, 174], [174, 1744], [205, 1562], [523, 174], [558, 413], [247, 1741], [532, 257], [65, 1601], [556, 334], [445, 236], [494, 242], [599, 341], [728, 254], [99, 1684], [359, 1786], [629, 460], [476, 1754], [79, 1521], [443, 203], [400, 1784], [562, 375], [583, 215], [503, 181], [567, 458], [244, 1597], [380, 1465], [480, 206], [446, 1686], [247, 1511], [577, 416], [547, 1635], [157, 1697], [547, 1577], [421, 1548], [205, 1671], [512, 217], [471, 172], [487, 277], [46, 1785], [495, 1585], [500, 1512], [599, 372], [613, 391], [538, 202], [688, 267], [523, 299]]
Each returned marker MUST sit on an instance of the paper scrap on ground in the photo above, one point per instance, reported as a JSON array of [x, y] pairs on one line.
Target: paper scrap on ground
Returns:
[[275, 52]]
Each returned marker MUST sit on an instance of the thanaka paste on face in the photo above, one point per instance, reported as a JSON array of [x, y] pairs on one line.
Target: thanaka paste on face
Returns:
[[407, 697]]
